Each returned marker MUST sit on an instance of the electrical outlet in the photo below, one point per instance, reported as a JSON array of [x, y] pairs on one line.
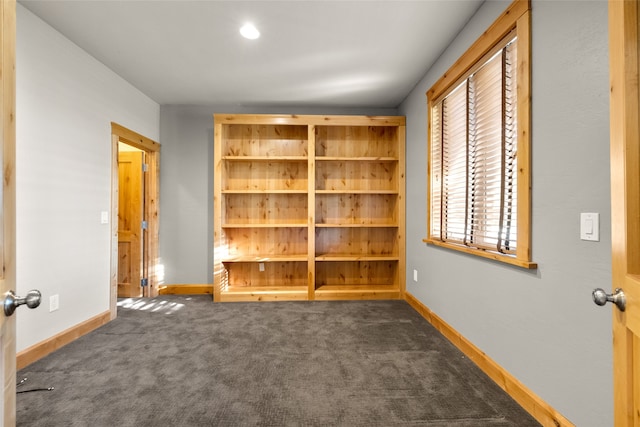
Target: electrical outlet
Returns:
[[261, 266], [415, 275], [54, 302]]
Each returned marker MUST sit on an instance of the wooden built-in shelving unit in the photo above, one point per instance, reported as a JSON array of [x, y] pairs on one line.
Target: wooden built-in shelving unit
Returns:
[[309, 207]]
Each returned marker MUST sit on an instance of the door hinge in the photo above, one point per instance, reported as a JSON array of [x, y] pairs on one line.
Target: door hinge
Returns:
[[145, 225], [145, 167], [144, 282]]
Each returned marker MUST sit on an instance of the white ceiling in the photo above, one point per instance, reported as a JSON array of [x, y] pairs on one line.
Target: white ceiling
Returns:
[[311, 53]]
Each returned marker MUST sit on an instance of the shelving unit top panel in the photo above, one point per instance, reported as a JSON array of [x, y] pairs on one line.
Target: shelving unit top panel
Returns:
[[294, 119]]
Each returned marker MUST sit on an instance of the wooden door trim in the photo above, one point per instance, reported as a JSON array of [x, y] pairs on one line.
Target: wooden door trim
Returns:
[[8, 132], [625, 191], [134, 139], [120, 133]]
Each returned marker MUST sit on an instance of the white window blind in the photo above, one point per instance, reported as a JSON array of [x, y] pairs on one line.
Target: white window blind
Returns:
[[474, 158]]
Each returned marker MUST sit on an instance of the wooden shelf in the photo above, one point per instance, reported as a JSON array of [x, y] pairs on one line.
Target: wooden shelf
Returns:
[[355, 159], [349, 208], [272, 258], [349, 257], [308, 207], [268, 176], [266, 158], [351, 225], [357, 177], [269, 225], [264, 191], [257, 243], [356, 192]]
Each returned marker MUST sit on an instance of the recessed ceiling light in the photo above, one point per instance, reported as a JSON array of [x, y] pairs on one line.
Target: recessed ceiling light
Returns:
[[250, 32]]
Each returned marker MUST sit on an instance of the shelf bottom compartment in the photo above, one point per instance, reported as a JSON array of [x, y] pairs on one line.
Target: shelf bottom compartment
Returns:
[[357, 280], [288, 281], [264, 281]]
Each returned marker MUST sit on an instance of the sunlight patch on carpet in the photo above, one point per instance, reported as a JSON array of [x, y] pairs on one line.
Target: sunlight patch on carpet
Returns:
[[154, 305]]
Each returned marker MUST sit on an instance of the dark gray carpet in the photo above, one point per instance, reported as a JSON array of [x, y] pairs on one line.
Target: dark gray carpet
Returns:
[[184, 361]]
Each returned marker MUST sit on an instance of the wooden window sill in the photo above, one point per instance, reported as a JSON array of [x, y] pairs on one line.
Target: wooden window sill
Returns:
[[484, 254]]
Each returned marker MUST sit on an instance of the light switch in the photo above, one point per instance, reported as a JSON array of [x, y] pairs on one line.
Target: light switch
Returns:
[[104, 217], [590, 226]]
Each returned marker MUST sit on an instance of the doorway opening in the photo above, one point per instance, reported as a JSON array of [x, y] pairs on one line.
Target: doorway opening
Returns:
[[135, 268]]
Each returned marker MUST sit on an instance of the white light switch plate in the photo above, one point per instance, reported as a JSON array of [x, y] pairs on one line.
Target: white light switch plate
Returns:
[[54, 302], [590, 226]]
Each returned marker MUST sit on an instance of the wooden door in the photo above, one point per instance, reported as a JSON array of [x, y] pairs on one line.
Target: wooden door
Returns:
[[625, 207], [7, 197], [130, 216]]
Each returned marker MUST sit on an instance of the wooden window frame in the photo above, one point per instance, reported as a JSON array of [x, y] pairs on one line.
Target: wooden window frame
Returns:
[[516, 17]]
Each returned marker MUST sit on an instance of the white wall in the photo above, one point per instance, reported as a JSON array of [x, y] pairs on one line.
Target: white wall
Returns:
[[66, 101], [186, 182], [540, 325]]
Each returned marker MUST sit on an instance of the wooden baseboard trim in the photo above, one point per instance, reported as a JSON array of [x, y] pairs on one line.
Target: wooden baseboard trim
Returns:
[[185, 289], [41, 349], [532, 403]]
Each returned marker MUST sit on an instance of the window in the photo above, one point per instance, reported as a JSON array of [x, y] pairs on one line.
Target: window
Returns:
[[479, 173]]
